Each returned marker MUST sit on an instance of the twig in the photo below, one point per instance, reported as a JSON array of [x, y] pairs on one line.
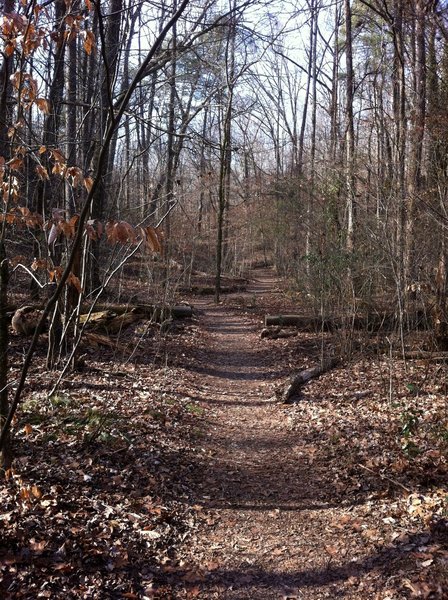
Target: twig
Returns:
[[386, 478], [31, 274]]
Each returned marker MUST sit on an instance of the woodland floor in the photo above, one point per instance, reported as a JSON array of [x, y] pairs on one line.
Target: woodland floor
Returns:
[[179, 474]]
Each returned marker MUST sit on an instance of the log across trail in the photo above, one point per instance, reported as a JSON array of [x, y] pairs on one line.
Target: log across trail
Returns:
[[264, 497]]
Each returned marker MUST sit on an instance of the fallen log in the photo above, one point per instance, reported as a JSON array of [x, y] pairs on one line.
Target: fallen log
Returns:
[[284, 334], [150, 311], [291, 391], [108, 321], [209, 290], [371, 322], [120, 322], [182, 311], [435, 356], [95, 340], [299, 321], [276, 333]]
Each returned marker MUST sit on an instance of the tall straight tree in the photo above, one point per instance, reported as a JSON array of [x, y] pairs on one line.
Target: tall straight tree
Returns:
[[418, 123], [400, 126], [313, 77], [225, 158], [109, 30], [349, 130], [5, 121], [171, 154]]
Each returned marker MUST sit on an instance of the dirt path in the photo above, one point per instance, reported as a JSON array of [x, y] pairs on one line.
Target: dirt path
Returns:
[[263, 501]]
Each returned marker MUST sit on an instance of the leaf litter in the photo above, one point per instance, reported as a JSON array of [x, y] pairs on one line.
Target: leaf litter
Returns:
[[180, 475]]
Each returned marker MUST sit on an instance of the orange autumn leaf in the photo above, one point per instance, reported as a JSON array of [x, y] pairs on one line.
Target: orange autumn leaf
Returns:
[[9, 49], [75, 282], [41, 263], [89, 42], [35, 491], [15, 163], [43, 105], [152, 239], [120, 232], [88, 183]]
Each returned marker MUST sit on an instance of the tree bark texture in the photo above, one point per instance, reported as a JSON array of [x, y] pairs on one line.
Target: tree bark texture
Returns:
[[292, 389]]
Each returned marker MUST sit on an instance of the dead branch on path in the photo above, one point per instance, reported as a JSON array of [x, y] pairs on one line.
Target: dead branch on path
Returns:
[[292, 389]]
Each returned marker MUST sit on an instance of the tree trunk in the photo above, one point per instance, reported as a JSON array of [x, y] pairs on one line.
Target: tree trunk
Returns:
[[110, 40], [399, 108], [416, 147], [334, 101], [5, 120], [225, 154], [313, 75], [6, 454], [171, 152], [293, 387], [350, 132]]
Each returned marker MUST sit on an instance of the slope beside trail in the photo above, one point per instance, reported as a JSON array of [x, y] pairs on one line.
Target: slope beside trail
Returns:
[[264, 498]]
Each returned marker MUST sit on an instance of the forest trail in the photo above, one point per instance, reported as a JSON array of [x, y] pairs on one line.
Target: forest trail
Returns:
[[264, 501]]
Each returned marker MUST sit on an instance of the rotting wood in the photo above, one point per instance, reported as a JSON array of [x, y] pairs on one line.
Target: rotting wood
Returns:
[[95, 339], [299, 321], [291, 391], [24, 320], [207, 290], [182, 311], [436, 356], [277, 333], [109, 319], [151, 311], [371, 322], [111, 322]]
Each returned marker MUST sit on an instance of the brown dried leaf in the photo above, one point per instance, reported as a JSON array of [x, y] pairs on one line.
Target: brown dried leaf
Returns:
[[57, 155], [36, 492], [8, 217], [75, 174], [40, 263], [42, 172], [9, 48], [15, 163], [120, 232], [88, 183], [152, 239], [58, 169], [75, 282], [89, 42], [43, 105]]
